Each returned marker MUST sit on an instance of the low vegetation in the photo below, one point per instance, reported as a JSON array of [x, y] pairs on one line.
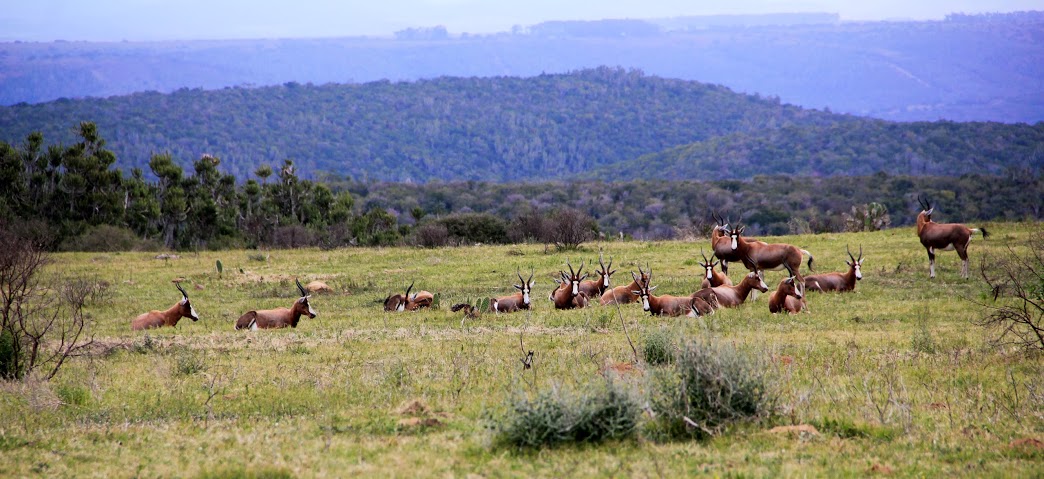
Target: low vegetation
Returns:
[[892, 378]]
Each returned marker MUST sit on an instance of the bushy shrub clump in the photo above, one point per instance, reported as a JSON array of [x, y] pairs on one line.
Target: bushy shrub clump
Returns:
[[710, 386], [558, 417], [659, 347]]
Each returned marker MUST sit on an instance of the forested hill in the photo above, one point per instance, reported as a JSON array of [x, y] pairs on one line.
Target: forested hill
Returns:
[[853, 148], [500, 129]]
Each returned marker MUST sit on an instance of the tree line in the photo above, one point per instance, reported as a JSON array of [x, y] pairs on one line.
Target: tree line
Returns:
[[75, 198]]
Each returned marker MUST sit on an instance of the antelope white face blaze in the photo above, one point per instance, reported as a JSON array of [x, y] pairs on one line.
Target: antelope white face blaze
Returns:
[[576, 288], [605, 281], [710, 273], [645, 302], [525, 296], [735, 242], [858, 271]]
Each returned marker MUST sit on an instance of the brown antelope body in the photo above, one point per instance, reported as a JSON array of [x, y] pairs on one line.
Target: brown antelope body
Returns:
[[944, 237], [789, 296], [170, 317], [279, 317], [733, 296], [405, 302], [712, 278], [569, 295], [665, 305], [721, 243], [703, 307], [515, 302], [597, 287], [841, 282], [624, 294], [759, 255]]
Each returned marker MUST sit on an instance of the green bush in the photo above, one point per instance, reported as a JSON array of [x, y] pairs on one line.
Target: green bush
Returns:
[[558, 417], [658, 347], [710, 387], [106, 238]]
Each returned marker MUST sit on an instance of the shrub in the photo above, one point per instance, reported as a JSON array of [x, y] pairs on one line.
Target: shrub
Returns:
[[710, 387], [431, 235], [293, 236], [107, 238], [868, 217], [528, 226], [557, 417], [568, 228], [659, 347], [1016, 284], [475, 228]]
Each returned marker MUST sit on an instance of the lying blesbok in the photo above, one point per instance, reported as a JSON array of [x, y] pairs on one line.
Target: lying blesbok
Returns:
[[789, 296], [703, 307], [733, 296], [721, 244], [667, 305], [712, 278], [405, 302], [624, 294], [827, 282], [944, 236], [594, 288], [759, 255], [569, 295], [517, 301], [279, 317], [170, 317]]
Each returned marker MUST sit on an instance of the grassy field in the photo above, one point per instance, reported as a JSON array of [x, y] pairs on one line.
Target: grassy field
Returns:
[[895, 377]]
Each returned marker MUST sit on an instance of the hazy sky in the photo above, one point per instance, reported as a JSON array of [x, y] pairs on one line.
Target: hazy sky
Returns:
[[114, 20]]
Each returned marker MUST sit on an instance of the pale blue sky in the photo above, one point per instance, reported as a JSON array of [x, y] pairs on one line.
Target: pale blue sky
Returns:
[[114, 20]]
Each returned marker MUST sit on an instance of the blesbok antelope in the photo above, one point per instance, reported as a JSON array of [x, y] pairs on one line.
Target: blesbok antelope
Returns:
[[712, 278], [624, 294], [569, 295], [733, 296], [827, 282], [759, 255], [721, 244], [594, 288], [665, 305], [405, 302], [517, 301], [279, 317], [944, 236], [170, 317], [789, 296], [703, 307]]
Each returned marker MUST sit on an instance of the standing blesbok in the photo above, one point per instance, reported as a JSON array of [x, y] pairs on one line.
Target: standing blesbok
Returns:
[[170, 317], [827, 282], [517, 301], [722, 244], [665, 305], [624, 294], [405, 302], [789, 296], [759, 255], [596, 287], [569, 295], [944, 236], [733, 296], [712, 278], [279, 317]]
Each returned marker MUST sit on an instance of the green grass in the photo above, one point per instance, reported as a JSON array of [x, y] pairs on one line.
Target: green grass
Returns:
[[893, 376]]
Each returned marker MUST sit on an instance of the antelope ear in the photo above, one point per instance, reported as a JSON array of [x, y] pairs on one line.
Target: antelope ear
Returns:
[[654, 288], [846, 262], [183, 301], [517, 286], [636, 293]]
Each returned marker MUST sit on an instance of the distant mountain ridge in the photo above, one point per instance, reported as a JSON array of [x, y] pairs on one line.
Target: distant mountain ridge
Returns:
[[966, 68]]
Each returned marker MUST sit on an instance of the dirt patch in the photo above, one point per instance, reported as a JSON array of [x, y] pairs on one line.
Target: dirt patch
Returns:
[[414, 407], [1027, 443], [620, 369], [880, 469], [419, 422], [800, 430], [935, 406], [318, 287]]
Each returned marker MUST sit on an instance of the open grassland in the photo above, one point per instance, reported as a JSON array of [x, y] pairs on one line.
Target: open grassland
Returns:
[[895, 377]]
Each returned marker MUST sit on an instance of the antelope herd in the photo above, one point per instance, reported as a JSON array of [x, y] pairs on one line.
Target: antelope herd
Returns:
[[573, 290]]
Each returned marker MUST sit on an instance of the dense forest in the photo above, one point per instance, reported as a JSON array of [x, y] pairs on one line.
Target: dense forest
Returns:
[[72, 197], [588, 124], [964, 68]]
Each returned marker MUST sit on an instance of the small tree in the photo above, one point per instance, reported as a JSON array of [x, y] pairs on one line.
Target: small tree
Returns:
[[568, 228], [40, 326], [868, 217], [1016, 285]]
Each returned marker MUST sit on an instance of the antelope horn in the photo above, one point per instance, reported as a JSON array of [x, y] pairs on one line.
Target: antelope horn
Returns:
[[610, 262], [408, 289], [600, 263], [183, 293], [531, 272], [791, 270], [571, 272], [850, 254], [303, 292], [860, 253], [519, 274], [718, 218], [705, 260]]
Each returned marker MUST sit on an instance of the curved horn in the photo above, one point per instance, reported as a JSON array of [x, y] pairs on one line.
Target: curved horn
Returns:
[[610, 262], [303, 292], [571, 272], [850, 254], [860, 253], [531, 272], [705, 260], [409, 288], [718, 218], [519, 274], [581, 268], [183, 293], [921, 202], [600, 263]]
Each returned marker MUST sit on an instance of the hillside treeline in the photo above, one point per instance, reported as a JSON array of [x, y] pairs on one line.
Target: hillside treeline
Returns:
[[591, 123], [73, 197]]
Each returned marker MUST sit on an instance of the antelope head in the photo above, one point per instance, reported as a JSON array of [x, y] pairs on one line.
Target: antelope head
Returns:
[[643, 287], [760, 275], [723, 225], [735, 234], [856, 264], [793, 283], [526, 287], [926, 208], [708, 265], [303, 301], [185, 307], [605, 272], [397, 302], [574, 278]]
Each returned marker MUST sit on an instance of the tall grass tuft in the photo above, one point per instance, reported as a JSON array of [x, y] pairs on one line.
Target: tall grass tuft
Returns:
[[658, 348], [557, 417], [710, 387]]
